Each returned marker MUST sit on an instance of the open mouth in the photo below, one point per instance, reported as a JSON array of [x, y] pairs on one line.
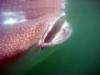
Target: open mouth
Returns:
[[57, 33]]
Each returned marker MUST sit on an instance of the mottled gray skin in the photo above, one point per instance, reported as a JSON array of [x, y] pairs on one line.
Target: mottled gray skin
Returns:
[[18, 37]]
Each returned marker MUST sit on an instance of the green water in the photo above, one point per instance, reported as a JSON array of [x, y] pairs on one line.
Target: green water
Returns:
[[80, 55]]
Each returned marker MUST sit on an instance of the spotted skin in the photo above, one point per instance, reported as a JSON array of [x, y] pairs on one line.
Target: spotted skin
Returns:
[[18, 37]]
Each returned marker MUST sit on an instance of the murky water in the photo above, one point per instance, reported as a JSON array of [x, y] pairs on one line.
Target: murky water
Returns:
[[78, 56]]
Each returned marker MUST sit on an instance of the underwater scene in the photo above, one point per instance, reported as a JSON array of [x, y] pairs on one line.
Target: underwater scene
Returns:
[[49, 37]]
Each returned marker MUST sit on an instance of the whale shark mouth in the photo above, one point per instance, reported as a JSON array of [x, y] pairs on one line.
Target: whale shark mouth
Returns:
[[57, 33]]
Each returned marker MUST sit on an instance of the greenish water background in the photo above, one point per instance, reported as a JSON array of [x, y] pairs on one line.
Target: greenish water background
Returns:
[[80, 55]]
